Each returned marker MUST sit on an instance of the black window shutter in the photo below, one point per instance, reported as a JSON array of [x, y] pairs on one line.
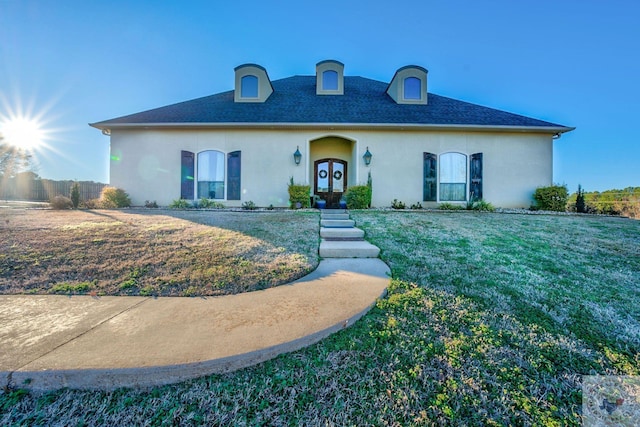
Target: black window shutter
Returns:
[[430, 177], [233, 175], [475, 189], [186, 175]]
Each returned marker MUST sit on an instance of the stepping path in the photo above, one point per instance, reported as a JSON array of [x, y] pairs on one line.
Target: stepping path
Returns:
[[341, 239], [53, 341]]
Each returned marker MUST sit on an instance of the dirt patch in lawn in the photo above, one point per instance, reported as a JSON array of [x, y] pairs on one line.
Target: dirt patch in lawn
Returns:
[[149, 252]]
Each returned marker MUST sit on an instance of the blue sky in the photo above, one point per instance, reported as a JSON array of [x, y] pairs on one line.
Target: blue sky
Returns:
[[571, 62]]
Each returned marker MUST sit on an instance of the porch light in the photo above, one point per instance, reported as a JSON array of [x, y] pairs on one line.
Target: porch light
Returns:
[[297, 156], [367, 157]]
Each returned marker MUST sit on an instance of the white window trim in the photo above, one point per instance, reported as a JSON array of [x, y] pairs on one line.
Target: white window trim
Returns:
[[467, 178], [257, 80], [421, 92], [197, 171]]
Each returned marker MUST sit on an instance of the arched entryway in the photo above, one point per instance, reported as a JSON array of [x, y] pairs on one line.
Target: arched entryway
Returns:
[[331, 170], [330, 181]]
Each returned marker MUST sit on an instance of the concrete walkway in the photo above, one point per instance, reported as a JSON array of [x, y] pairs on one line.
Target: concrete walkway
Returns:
[[49, 342]]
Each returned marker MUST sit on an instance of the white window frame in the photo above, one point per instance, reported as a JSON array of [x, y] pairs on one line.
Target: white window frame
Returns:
[[224, 173], [466, 178]]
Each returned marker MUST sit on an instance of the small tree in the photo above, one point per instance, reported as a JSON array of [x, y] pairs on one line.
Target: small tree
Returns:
[[581, 206], [75, 195]]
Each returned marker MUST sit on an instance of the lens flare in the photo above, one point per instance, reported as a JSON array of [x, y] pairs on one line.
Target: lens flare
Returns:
[[22, 132]]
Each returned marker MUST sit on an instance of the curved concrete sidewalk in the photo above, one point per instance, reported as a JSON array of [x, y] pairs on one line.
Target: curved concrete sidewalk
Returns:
[[50, 342]]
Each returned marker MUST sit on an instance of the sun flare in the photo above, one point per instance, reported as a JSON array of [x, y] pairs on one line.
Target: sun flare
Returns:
[[22, 132]]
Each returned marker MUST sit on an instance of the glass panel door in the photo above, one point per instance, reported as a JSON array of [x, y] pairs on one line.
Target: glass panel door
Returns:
[[338, 177], [322, 177], [330, 180]]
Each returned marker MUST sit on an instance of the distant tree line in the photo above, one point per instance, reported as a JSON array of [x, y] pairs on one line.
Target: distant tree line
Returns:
[[624, 202], [29, 186]]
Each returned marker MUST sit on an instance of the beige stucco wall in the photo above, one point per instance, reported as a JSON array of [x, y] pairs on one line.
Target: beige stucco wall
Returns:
[[146, 163]]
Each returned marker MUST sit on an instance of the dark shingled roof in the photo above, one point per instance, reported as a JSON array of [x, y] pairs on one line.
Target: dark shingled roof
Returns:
[[294, 100]]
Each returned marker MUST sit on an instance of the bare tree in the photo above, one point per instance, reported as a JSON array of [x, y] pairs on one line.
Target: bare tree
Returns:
[[12, 159]]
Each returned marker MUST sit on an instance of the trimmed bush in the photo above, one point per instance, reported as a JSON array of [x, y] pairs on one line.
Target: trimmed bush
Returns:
[[299, 194], [113, 197], [61, 202], [552, 198], [358, 197], [75, 195]]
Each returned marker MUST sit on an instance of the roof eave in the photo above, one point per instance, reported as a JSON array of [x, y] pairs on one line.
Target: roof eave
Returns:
[[105, 126]]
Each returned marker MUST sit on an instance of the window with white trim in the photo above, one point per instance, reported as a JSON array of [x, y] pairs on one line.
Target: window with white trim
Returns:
[[211, 174], [453, 177], [412, 88], [249, 86], [330, 80]]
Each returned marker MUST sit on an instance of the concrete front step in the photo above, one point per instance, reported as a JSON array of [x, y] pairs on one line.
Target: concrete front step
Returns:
[[337, 223], [334, 216], [332, 211], [341, 233], [348, 249]]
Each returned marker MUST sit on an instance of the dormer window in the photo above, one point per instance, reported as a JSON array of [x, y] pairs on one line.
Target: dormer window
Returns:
[[409, 85], [412, 88], [252, 84], [249, 87], [329, 78]]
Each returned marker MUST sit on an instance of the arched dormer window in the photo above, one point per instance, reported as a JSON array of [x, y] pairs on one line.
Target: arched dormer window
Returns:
[[409, 85], [249, 87], [330, 80], [412, 88], [252, 84]]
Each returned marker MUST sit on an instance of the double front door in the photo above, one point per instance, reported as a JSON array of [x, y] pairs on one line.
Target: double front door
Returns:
[[330, 180]]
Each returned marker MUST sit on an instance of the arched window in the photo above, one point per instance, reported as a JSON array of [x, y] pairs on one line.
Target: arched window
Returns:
[[329, 80], [412, 88], [249, 87], [453, 177], [211, 174]]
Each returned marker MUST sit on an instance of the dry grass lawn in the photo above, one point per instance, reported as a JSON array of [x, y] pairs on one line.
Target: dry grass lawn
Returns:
[[153, 252]]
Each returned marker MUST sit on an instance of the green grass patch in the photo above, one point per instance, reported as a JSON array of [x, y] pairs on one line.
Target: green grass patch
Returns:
[[70, 288]]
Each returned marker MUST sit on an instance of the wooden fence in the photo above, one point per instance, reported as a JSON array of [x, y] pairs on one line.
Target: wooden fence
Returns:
[[43, 190]]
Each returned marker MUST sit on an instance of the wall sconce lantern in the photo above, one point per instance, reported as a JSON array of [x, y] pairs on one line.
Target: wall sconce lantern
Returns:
[[297, 156], [367, 157]]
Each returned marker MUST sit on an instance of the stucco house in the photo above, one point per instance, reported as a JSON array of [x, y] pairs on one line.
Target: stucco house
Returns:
[[330, 131]]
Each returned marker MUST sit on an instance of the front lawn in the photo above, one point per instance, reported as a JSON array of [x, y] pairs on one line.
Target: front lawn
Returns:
[[153, 252], [491, 319]]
